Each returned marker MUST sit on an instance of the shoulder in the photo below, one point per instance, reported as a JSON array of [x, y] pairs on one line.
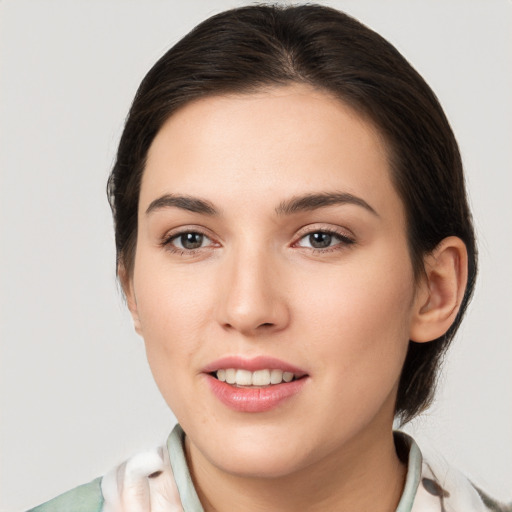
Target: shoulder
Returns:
[[437, 486], [85, 498], [451, 490], [149, 475]]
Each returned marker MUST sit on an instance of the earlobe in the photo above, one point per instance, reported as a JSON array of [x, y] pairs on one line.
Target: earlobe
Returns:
[[441, 290], [127, 285]]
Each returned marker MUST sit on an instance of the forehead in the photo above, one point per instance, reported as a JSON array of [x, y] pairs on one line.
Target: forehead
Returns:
[[287, 140]]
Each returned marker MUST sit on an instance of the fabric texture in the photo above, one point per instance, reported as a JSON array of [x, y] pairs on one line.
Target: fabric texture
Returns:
[[85, 498], [160, 481]]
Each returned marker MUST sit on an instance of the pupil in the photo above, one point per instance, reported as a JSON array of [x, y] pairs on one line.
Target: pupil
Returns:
[[320, 240], [191, 240]]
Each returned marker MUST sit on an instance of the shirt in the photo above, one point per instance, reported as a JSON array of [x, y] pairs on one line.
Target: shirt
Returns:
[[160, 481]]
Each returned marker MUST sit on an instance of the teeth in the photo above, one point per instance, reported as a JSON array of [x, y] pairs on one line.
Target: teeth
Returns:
[[261, 378], [241, 377], [230, 376], [276, 376], [287, 376]]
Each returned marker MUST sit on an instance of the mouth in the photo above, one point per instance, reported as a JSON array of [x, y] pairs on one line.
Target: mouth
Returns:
[[254, 385], [260, 378]]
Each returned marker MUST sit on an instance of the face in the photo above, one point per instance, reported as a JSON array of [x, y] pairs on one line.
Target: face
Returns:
[[272, 281]]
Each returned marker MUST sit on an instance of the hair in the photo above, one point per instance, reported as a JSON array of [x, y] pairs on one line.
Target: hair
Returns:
[[248, 49]]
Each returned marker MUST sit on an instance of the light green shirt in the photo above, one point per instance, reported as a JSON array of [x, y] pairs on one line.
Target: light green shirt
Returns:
[[427, 488]]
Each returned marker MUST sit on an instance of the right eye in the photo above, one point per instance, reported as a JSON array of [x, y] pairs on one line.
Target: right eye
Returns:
[[188, 241]]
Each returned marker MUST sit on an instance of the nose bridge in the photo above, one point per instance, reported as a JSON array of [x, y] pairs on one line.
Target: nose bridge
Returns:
[[252, 300]]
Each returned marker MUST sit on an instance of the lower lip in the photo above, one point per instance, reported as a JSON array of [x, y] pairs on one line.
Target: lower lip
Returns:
[[254, 399]]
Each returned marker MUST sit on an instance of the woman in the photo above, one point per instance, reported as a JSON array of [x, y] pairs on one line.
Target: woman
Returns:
[[296, 249]]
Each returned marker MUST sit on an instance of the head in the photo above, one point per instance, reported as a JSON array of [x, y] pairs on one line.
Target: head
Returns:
[[252, 50]]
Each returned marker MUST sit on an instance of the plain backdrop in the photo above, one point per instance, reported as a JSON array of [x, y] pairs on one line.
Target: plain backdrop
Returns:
[[77, 396]]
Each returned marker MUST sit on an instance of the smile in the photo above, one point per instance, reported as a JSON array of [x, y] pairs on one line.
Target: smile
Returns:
[[259, 378], [254, 385]]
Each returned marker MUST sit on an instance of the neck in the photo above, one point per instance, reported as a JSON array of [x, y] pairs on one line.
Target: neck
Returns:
[[368, 475]]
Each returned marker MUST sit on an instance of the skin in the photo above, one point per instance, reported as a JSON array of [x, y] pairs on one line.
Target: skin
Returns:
[[343, 314]]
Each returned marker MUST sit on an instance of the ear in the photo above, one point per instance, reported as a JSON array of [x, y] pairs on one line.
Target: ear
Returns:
[[127, 284], [440, 291]]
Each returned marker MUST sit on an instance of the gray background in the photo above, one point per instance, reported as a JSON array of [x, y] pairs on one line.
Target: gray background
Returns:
[[77, 396]]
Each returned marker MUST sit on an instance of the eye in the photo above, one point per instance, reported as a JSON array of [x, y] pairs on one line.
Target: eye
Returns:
[[323, 239], [188, 241]]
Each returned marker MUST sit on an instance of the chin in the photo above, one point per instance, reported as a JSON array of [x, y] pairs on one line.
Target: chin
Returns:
[[262, 464], [255, 456]]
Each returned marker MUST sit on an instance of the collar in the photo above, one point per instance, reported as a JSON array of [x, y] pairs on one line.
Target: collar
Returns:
[[190, 500]]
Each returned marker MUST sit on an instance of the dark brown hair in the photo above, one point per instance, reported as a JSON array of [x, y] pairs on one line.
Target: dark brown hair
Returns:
[[246, 49]]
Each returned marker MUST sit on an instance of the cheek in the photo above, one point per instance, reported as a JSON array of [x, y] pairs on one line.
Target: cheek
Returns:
[[169, 298], [173, 309], [361, 319]]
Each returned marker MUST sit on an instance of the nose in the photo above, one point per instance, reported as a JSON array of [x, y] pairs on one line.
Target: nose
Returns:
[[253, 298]]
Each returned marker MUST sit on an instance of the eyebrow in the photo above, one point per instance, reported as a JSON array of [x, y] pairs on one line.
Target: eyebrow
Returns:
[[297, 204], [321, 200], [192, 204]]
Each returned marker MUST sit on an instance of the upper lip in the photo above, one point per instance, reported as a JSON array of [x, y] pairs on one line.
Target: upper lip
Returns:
[[253, 364]]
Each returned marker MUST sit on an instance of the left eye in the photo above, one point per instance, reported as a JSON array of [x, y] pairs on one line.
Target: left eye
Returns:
[[322, 240], [190, 240]]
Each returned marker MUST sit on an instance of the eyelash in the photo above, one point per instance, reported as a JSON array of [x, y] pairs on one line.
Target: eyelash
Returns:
[[343, 238], [167, 242]]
